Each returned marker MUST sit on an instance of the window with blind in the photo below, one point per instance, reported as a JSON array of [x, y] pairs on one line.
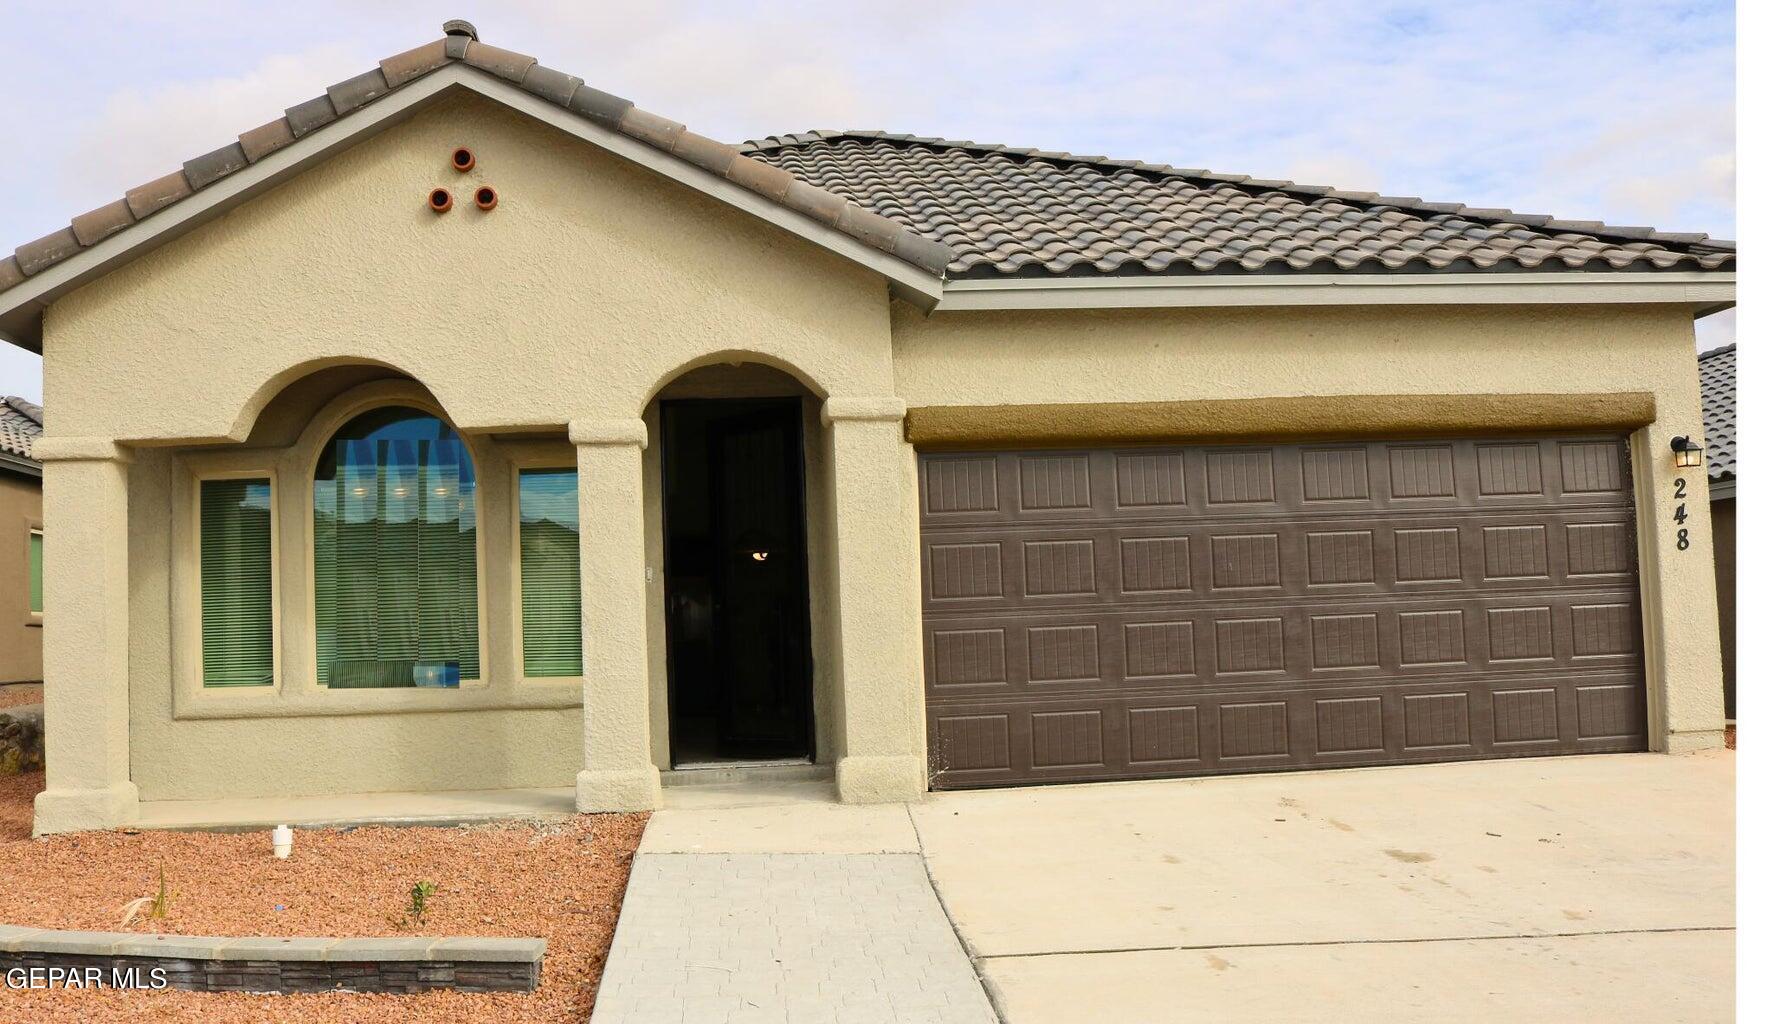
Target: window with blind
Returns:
[[396, 586], [548, 544], [36, 572], [234, 569]]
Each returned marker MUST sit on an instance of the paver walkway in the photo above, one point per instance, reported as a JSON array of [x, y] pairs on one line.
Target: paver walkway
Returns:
[[731, 938]]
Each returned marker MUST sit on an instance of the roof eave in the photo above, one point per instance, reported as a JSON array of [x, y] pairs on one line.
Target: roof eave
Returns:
[[20, 465], [1701, 291], [22, 306]]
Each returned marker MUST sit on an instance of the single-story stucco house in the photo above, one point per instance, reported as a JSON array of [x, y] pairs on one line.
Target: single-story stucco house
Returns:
[[469, 428], [1717, 389]]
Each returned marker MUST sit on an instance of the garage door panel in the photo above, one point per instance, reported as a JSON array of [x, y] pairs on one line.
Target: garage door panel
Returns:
[[1374, 639], [1229, 480], [1201, 561], [1067, 739], [1122, 613]]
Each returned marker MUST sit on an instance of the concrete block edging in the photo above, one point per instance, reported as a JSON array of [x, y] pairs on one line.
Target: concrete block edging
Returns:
[[269, 964]]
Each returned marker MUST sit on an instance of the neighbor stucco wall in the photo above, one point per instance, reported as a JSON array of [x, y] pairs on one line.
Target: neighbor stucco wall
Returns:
[[21, 633], [592, 285], [1019, 358]]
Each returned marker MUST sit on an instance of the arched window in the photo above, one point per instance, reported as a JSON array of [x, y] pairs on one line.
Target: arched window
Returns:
[[396, 589]]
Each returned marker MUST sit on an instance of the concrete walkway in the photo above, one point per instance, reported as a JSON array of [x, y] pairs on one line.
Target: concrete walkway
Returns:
[[781, 905]]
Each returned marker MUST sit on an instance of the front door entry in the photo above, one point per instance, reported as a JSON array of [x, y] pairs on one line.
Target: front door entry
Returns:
[[736, 580]]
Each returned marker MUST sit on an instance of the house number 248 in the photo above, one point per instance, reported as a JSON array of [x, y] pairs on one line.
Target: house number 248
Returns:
[[1680, 514]]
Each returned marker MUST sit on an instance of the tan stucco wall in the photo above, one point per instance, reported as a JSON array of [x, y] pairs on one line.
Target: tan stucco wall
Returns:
[[21, 639], [1193, 355], [591, 286]]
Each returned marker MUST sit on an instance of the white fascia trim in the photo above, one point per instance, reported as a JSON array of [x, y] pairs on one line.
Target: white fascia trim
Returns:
[[31, 296], [1691, 288]]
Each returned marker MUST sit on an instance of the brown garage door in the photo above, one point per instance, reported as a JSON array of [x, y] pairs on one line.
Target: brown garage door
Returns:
[[1112, 614]]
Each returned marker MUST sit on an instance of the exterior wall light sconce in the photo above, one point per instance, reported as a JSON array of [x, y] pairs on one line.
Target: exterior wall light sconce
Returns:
[[1688, 453], [760, 555]]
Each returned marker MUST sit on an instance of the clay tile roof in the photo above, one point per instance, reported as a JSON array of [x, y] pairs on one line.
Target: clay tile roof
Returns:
[[21, 424], [461, 44], [1029, 213], [1717, 393]]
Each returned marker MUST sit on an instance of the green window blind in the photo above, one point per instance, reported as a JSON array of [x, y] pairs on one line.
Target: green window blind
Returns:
[[235, 570], [36, 584], [548, 542], [396, 586]]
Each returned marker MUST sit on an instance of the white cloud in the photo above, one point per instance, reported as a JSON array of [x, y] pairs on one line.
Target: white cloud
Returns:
[[141, 133]]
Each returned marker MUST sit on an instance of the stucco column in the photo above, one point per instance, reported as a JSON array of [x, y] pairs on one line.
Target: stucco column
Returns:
[[85, 635], [880, 653], [619, 774], [1679, 586]]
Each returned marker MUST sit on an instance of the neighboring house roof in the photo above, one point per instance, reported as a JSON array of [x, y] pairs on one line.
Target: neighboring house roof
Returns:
[[1029, 213], [21, 424], [1717, 394]]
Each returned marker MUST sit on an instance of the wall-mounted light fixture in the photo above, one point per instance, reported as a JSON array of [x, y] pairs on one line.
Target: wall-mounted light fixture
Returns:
[[760, 555], [1688, 453]]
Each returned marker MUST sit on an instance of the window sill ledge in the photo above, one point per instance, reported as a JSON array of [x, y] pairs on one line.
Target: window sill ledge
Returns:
[[271, 702]]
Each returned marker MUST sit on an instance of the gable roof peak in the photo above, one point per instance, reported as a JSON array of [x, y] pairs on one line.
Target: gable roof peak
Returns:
[[461, 45]]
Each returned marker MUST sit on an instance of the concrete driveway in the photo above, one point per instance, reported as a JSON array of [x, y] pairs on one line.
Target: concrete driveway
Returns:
[[1559, 889]]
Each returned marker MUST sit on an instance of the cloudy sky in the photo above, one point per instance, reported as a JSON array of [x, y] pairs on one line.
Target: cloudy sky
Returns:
[[1620, 111]]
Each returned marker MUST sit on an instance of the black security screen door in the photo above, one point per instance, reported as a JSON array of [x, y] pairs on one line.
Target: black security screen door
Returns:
[[736, 580]]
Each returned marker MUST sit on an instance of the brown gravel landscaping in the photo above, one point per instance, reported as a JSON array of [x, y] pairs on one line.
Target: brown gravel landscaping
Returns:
[[14, 695], [561, 881]]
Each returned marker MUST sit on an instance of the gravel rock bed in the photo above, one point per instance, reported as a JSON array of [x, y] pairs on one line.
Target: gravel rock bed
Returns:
[[14, 695], [562, 881]]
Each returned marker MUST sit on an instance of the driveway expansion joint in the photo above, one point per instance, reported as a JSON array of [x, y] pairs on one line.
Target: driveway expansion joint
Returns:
[[1202, 947]]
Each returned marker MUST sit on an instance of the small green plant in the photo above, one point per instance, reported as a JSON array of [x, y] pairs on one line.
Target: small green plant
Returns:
[[419, 900], [156, 907]]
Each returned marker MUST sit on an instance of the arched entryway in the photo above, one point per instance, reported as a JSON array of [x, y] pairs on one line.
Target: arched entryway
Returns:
[[733, 466]]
